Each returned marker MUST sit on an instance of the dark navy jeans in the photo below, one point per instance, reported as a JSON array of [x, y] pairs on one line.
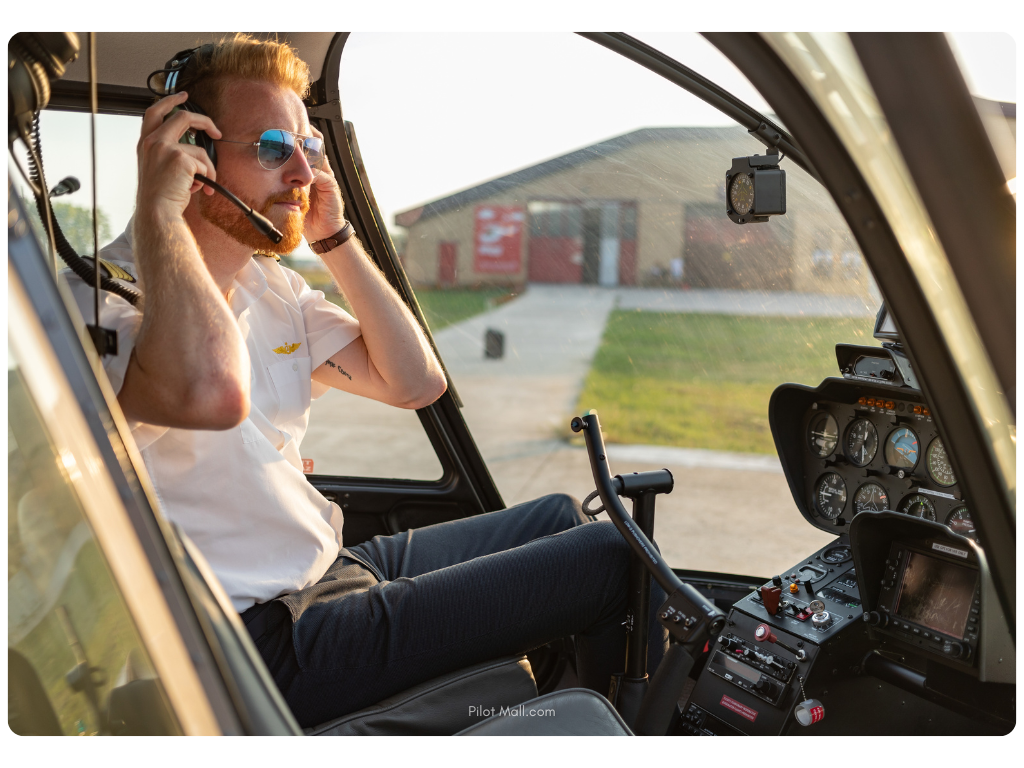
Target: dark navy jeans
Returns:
[[399, 610]]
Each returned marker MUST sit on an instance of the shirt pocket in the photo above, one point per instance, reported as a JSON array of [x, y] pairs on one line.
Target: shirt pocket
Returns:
[[292, 380]]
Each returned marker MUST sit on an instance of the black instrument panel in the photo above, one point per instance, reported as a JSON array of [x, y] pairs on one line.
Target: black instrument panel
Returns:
[[849, 448]]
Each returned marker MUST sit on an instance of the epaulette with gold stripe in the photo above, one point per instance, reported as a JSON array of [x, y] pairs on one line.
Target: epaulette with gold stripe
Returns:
[[112, 270]]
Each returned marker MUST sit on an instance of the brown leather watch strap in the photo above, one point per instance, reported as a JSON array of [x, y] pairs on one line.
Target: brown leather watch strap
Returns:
[[330, 243]]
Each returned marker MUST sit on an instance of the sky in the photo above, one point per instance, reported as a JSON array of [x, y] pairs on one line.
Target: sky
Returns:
[[435, 113]]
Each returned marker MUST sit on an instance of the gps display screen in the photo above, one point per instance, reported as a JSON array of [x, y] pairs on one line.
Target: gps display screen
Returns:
[[936, 594], [741, 669]]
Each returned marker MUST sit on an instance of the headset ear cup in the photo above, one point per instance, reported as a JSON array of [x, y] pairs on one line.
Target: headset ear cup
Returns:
[[204, 141], [201, 138]]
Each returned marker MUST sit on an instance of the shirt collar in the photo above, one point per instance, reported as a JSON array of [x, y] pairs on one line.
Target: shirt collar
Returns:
[[249, 284]]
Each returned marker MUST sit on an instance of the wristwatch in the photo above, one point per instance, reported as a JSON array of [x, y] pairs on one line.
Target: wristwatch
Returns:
[[321, 247]]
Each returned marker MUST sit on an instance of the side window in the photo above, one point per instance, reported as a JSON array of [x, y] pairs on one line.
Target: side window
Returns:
[[354, 436], [64, 140], [76, 665], [340, 425], [592, 235]]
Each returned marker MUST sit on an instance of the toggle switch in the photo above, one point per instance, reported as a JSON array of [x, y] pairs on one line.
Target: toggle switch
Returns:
[[770, 596]]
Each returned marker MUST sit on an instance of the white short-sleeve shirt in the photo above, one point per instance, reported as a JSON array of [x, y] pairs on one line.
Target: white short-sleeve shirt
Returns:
[[240, 493]]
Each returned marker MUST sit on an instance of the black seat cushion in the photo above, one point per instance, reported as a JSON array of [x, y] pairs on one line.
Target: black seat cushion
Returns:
[[571, 712], [442, 706]]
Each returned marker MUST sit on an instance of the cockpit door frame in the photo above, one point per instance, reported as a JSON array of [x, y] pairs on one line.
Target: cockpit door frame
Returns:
[[466, 483]]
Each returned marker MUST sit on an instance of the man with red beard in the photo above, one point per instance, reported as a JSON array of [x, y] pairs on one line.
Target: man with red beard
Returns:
[[215, 371]]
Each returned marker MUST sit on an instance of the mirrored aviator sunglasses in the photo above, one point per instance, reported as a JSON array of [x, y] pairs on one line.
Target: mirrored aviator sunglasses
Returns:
[[276, 146]]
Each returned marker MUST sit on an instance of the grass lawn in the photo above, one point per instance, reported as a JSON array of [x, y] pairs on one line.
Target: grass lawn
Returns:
[[703, 381], [441, 308], [447, 307]]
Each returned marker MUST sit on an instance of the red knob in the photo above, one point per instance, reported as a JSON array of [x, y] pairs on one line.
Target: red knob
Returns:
[[764, 632]]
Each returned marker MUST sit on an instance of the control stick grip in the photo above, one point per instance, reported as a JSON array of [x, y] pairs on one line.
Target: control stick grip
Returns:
[[609, 488], [609, 493]]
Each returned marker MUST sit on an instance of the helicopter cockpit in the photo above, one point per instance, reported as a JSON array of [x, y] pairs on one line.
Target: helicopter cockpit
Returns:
[[838, 555]]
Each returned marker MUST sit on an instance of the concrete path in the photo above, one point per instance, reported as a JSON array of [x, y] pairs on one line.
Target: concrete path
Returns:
[[776, 303], [729, 512]]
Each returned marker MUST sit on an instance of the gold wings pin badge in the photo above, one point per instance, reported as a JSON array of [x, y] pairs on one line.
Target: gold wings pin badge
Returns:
[[287, 349]]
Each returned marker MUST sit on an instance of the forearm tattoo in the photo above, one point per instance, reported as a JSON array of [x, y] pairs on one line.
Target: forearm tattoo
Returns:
[[339, 369]]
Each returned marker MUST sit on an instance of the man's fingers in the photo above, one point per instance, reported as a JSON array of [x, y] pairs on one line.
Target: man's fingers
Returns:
[[155, 115], [202, 160], [156, 123], [327, 162], [180, 122]]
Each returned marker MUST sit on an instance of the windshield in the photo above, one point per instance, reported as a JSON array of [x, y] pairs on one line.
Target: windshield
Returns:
[[988, 63], [562, 218]]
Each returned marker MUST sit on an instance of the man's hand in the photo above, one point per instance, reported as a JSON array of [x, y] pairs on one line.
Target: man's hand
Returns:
[[167, 167], [189, 366], [326, 210]]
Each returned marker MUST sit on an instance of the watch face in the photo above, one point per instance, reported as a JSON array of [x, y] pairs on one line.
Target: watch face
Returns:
[[741, 194]]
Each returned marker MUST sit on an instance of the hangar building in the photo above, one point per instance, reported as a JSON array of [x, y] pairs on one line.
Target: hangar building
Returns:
[[644, 208]]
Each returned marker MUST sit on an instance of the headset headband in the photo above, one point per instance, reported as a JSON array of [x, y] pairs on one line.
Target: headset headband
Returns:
[[169, 80]]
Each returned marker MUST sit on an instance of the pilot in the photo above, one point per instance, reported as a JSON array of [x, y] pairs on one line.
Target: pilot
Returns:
[[215, 371]]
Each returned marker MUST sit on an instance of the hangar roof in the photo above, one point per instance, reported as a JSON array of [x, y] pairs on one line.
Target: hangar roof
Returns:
[[562, 162]]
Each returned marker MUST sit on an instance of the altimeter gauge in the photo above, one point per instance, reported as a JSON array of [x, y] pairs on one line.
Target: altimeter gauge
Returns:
[[830, 495], [938, 464]]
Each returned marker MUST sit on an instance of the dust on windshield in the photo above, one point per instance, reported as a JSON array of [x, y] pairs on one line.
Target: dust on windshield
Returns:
[[573, 253]]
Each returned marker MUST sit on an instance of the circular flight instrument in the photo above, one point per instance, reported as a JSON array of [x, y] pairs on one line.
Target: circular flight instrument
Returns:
[[918, 505], [822, 434], [960, 521], [838, 554], [938, 463], [861, 442], [741, 194], [830, 495], [870, 497], [902, 448]]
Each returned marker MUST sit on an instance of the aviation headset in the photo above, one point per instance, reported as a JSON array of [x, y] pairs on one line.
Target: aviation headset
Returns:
[[173, 78]]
